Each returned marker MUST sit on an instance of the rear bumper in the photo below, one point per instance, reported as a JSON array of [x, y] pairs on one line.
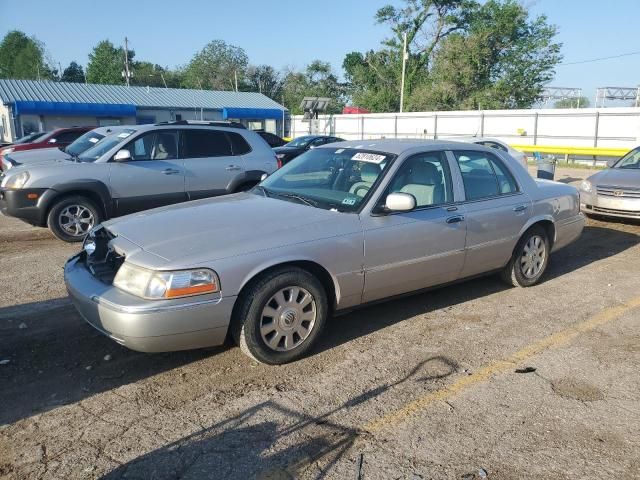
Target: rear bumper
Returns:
[[148, 325], [567, 231], [16, 203]]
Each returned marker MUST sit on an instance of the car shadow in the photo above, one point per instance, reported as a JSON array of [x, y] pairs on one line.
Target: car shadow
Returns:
[[569, 180], [270, 440], [58, 359]]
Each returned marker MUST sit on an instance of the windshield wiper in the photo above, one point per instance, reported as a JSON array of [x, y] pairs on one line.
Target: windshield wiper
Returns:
[[295, 196], [264, 191]]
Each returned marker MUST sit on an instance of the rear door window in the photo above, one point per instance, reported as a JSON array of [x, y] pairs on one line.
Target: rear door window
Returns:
[[484, 175], [206, 143], [239, 145], [67, 137]]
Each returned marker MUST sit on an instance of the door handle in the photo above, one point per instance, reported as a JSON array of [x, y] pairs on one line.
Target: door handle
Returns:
[[520, 208], [170, 171], [455, 219], [233, 167]]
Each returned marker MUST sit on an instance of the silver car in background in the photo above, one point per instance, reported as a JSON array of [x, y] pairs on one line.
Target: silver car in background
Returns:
[[340, 226], [614, 192]]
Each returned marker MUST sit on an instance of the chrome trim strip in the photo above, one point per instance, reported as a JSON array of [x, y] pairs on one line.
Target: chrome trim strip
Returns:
[[152, 309]]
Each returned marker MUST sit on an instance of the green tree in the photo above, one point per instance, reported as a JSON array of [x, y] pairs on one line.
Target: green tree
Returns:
[[218, 66], [23, 57], [264, 79], [73, 73], [317, 80], [577, 102], [106, 64], [501, 60]]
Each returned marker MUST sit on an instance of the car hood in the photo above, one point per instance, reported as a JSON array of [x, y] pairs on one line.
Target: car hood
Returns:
[[286, 150], [37, 156], [211, 229], [617, 177]]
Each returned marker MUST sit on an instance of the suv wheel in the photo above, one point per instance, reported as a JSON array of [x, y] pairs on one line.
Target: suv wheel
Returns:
[[530, 259], [280, 316], [71, 218]]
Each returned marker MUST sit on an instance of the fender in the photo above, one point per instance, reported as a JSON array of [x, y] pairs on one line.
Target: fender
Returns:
[[98, 188], [536, 219], [268, 264], [248, 176]]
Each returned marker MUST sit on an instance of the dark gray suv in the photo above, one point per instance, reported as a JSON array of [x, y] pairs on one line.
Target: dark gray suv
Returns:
[[135, 169]]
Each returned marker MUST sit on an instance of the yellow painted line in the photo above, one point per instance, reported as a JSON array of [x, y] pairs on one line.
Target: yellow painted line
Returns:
[[570, 150], [501, 366]]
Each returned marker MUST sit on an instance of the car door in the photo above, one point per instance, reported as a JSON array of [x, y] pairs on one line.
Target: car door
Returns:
[[154, 176], [496, 210], [413, 250], [210, 166]]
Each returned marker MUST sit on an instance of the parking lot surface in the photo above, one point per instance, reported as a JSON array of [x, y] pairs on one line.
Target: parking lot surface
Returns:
[[475, 380]]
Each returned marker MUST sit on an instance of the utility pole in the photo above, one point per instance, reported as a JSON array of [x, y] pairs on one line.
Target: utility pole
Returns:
[[127, 72], [404, 67]]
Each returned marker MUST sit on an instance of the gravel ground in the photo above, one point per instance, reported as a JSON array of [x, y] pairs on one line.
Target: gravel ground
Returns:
[[422, 387]]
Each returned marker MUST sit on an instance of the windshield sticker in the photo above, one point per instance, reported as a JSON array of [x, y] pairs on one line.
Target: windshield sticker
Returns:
[[124, 135], [93, 140], [349, 201], [340, 150], [368, 157]]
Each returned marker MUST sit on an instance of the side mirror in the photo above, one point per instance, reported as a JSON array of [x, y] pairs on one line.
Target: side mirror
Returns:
[[264, 177], [122, 155], [612, 161], [400, 202]]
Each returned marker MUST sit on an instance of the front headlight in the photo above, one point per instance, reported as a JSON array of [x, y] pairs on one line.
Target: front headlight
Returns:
[[586, 186], [15, 181], [156, 285]]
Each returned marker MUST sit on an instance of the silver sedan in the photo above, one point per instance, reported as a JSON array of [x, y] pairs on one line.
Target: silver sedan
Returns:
[[339, 227], [614, 192]]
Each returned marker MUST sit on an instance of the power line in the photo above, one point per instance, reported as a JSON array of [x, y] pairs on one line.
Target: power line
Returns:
[[600, 59]]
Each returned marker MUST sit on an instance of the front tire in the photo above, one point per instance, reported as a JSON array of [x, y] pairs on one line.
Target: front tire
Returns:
[[529, 260], [71, 218], [280, 316]]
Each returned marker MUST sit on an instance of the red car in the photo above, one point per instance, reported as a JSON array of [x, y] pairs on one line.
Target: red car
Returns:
[[60, 137]]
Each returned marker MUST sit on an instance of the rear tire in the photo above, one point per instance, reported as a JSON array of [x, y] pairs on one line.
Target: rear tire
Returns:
[[71, 218], [280, 316], [529, 260]]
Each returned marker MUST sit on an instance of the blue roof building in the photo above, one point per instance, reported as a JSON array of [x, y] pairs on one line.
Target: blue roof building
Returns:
[[30, 105]]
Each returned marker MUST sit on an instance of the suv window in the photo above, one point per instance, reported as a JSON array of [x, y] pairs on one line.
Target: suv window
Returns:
[[206, 143], [68, 137], [426, 176], [239, 145], [484, 175], [161, 145]]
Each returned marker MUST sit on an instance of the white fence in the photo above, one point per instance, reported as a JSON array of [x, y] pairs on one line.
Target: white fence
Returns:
[[588, 127]]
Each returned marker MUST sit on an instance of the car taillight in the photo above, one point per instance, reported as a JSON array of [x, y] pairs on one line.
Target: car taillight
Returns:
[[278, 162]]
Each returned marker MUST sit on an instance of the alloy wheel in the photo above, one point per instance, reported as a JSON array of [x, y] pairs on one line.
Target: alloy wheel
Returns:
[[288, 318], [76, 220], [533, 256]]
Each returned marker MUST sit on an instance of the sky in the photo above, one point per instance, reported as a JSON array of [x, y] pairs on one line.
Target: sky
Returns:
[[292, 33]]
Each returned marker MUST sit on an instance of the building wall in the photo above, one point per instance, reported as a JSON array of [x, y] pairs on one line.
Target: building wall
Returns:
[[587, 127]]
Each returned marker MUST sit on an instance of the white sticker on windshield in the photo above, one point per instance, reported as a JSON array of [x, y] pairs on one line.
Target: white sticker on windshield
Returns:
[[124, 135], [340, 150], [349, 201], [368, 157], [93, 140]]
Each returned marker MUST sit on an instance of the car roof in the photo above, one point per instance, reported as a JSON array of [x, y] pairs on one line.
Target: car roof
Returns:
[[397, 146]]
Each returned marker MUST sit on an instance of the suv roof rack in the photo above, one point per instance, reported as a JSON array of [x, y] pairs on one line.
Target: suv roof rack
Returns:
[[217, 123]]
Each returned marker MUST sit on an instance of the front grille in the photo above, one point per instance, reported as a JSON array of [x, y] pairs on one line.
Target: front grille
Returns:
[[618, 192], [104, 261], [626, 213]]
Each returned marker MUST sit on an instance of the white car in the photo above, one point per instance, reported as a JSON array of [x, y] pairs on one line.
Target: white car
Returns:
[[497, 144]]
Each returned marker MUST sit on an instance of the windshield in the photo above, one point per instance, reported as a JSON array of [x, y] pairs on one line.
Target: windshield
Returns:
[[630, 160], [330, 178], [300, 141], [83, 143], [103, 146], [29, 138]]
